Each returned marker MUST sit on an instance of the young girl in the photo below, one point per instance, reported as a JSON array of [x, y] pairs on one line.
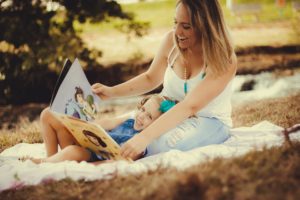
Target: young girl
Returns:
[[120, 129]]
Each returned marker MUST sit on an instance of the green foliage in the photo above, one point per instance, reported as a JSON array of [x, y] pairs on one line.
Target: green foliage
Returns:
[[138, 27], [157, 14], [39, 34]]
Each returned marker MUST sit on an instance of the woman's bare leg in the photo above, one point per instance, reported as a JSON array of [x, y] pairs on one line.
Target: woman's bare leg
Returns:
[[54, 133]]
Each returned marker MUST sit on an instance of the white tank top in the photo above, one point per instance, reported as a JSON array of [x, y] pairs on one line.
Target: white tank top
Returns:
[[219, 107]]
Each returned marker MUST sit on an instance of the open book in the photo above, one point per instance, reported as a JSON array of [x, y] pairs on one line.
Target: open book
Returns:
[[92, 136], [75, 105], [72, 94]]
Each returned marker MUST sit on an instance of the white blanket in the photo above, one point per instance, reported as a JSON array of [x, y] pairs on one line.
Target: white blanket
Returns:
[[14, 173]]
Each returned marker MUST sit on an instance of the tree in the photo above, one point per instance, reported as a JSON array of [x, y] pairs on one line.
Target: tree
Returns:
[[36, 35]]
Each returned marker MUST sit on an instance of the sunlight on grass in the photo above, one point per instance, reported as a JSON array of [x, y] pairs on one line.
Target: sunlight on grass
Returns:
[[160, 15], [117, 48], [271, 29], [28, 132], [269, 14], [278, 35]]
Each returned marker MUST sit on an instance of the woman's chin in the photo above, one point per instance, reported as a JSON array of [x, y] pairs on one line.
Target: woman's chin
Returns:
[[183, 46]]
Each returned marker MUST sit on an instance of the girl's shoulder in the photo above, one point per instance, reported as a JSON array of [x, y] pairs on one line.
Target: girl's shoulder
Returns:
[[131, 114], [126, 116]]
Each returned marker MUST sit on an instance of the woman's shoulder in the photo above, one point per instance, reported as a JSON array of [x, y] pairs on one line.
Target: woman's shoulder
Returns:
[[169, 38], [168, 42]]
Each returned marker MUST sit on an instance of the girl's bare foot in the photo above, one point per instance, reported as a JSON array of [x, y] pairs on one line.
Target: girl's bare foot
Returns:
[[34, 160]]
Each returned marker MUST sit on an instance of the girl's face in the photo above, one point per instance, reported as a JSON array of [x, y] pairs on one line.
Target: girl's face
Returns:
[[184, 33], [146, 114]]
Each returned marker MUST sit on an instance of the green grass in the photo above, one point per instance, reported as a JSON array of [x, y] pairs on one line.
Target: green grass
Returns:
[[271, 29], [270, 13], [160, 14]]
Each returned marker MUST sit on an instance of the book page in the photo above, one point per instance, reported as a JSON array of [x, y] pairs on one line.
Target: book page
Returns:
[[75, 97], [92, 136]]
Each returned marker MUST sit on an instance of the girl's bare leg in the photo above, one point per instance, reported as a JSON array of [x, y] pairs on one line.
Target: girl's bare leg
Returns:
[[54, 133], [71, 152]]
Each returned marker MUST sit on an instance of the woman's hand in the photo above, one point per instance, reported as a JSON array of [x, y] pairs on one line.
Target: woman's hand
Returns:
[[134, 147], [103, 91]]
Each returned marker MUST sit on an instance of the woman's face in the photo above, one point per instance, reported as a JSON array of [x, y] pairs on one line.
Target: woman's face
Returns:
[[184, 33]]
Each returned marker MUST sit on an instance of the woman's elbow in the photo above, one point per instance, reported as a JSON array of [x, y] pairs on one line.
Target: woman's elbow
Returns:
[[193, 109], [190, 108]]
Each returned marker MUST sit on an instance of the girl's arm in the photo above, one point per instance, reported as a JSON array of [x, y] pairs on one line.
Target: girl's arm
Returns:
[[144, 82], [209, 88], [112, 122]]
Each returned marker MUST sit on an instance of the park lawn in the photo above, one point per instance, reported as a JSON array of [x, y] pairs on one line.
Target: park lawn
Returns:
[[271, 29], [252, 176], [116, 47], [160, 14]]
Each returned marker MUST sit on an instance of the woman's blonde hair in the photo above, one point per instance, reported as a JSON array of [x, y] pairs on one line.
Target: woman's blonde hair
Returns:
[[208, 22]]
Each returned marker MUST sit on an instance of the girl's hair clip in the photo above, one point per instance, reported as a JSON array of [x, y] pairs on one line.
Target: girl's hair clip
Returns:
[[166, 105]]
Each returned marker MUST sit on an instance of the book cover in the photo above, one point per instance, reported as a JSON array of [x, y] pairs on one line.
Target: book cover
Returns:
[[73, 95], [75, 105], [61, 77]]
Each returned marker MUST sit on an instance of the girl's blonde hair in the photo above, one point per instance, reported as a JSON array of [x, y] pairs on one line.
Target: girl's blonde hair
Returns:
[[208, 22], [156, 97]]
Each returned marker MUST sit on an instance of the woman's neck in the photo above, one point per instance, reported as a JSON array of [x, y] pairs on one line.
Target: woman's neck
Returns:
[[195, 58]]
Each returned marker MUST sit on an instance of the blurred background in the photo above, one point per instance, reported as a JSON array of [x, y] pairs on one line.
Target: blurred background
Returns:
[[115, 40]]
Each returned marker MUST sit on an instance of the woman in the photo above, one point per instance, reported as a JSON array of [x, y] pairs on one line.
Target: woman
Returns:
[[196, 64]]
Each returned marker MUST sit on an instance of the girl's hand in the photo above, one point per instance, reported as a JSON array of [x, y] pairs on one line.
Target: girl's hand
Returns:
[[134, 147], [103, 91]]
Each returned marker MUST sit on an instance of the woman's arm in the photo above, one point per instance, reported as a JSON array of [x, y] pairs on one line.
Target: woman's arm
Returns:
[[210, 88], [144, 82]]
